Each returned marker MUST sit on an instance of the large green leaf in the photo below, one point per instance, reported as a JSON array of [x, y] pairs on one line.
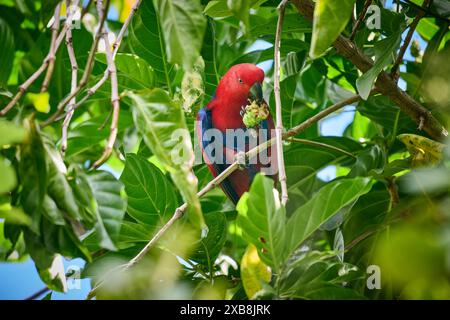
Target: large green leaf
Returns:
[[183, 26], [318, 275], [133, 71], [210, 247], [371, 160], [328, 201], [330, 18], [162, 124], [9, 134], [384, 50], [209, 54], [108, 204], [383, 111], [151, 198], [262, 219], [7, 52], [303, 162], [146, 41], [48, 264], [33, 175], [58, 187]]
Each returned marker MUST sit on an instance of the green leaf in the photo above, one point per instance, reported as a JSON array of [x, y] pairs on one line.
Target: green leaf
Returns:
[[383, 111], [10, 133], [368, 214], [210, 247], [7, 176], [57, 185], [330, 19], [369, 161], [146, 41], [317, 274], [48, 264], [253, 271], [301, 169], [183, 27], [7, 52], [151, 198], [292, 23], [323, 205], [209, 55], [262, 219], [162, 124], [217, 9], [14, 215], [131, 233], [133, 71], [33, 175], [384, 50], [109, 204]]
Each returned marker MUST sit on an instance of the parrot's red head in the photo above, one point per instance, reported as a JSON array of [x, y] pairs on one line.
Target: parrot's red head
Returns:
[[232, 93]]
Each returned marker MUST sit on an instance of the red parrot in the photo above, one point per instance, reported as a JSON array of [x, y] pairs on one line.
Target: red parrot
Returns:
[[238, 90]]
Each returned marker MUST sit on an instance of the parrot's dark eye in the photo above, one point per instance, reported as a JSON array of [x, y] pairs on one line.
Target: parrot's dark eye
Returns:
[[240, 81]]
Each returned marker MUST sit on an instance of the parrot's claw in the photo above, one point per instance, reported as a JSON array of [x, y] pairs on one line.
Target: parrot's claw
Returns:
[[241, 159]]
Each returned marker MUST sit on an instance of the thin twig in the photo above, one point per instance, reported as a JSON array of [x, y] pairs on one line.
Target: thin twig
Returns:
[[73, 86], [91, 91], [426, 11], [361, 16], [87, 70], [322, 145], [115, 101], [86, 9], [37, 294], [393, 191], [227, 172], [412, 28], [279, 119], [52, 53], [24, 86]]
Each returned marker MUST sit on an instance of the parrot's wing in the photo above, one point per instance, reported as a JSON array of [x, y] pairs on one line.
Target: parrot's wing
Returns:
[[216, 166]]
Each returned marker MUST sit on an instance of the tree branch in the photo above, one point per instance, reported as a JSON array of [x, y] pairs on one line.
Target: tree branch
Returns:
[[24, 86], [115, 101], [52, 53], [279, 119], [74, 67], [384, 84], [361, 16], [87, 70], [91, 91]]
